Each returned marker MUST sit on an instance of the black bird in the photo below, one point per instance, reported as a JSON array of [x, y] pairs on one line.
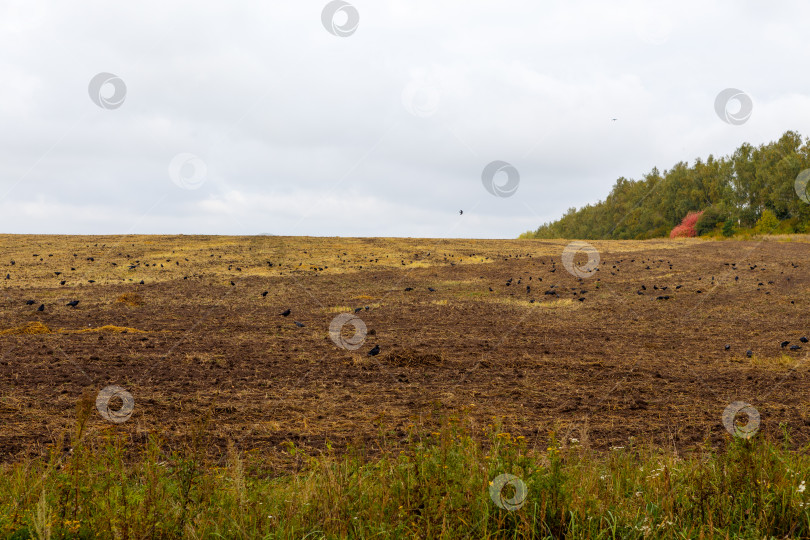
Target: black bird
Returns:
[[408, 288], [375, 351], [41, 307], [264, 293], [803, 339], [490, 289], [62, 282], [795, 347], [358, 309], [749, 353], [73, 303], [784, 344], [298, 324], [460, 212], [141, 282], [728, 347], [30, 303], [285, 313], [431, 289]]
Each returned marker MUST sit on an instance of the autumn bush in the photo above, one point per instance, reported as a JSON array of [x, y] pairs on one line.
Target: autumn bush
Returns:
[[687, 227]]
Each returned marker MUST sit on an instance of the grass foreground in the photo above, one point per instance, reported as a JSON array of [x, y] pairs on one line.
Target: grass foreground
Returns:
[[440, 484]]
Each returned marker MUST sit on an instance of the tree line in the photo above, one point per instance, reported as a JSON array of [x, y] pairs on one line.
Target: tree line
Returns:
[[734, 192]]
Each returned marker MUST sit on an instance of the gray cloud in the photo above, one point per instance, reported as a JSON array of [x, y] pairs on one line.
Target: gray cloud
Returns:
[[384, 132]]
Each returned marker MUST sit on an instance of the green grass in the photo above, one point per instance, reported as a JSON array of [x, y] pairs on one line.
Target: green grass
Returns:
[[435, 486]]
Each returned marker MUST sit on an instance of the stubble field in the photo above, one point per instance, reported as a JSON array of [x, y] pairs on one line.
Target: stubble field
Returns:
[[181, 323]]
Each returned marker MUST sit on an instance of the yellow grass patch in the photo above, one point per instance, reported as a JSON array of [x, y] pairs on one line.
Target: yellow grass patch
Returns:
[[106, 328], [34, 327], [130, 299], [456, 283], [339, 309], [439, 302], [551, 304], [783, 361], [347, 309], [417, 264]]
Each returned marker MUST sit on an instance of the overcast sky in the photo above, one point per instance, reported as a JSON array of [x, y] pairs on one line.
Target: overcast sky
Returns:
[[281, 118]]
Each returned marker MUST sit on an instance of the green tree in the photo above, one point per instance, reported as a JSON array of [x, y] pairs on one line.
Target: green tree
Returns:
[[767, 222], [736, 189]]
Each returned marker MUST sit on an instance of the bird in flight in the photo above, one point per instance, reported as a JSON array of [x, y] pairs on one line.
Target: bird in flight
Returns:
[[460, 212]]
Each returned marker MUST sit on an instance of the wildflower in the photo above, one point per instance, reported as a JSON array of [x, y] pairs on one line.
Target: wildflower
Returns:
[[801, 487], [574, 441]]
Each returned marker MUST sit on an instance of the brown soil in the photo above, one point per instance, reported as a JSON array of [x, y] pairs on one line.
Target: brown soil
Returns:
[[198, 337]]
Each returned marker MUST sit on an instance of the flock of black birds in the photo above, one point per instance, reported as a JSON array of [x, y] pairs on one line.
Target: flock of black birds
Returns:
[[286, 313], [72, 303], [661, 291]]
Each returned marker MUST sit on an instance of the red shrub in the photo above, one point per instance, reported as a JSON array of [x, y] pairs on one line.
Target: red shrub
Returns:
[[687, 226]]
